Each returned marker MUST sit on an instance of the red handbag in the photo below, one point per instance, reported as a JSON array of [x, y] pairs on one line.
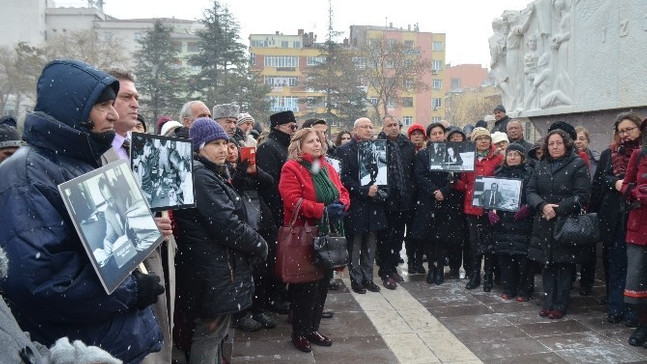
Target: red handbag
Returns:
[[295, 253]]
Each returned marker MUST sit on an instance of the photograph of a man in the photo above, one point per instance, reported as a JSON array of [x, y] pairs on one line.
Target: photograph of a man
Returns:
[[492, 198], [373, 162], [437, 155]]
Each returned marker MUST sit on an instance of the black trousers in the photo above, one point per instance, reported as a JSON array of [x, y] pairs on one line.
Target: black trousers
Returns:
[[476, 254], [517, 275], [307, 303], [389, 242], [557, 282]]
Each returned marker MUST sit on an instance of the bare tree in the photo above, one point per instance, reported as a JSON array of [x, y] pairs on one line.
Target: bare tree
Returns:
[[471, 105], [390, 70], [84, 46], [19, 71]]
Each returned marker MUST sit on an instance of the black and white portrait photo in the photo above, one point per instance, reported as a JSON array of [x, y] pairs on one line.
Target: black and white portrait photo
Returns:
[[372, 162], [113, 220], [163, 167], [335, 163], [451, 156], [497, 193]]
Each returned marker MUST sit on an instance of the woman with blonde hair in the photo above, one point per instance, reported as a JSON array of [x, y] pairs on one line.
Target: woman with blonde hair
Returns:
[[307, 176]]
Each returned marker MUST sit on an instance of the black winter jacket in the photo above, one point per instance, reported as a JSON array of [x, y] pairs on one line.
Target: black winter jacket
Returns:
[[215, 248], [569, 187], [365, 213], [401, 200], [510, 236], [270, 157]]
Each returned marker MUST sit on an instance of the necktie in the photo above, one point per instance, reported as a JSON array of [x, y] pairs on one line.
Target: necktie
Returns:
[[492, 199], [126, 146]]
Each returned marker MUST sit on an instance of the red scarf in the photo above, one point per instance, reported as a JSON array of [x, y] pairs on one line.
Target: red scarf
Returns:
[[620, 154]]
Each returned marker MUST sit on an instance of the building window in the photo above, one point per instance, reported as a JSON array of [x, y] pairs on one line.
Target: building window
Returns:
[[407, 120], [289, 103], [437, 46], [407, 101], [252, 59], [284, 43], [455, 83], [436, 65], [139, 36], [391, 104], [108, 36], [435, 119], [408, 44], [436, 103], [360, 62], [437, 84], [258, 43], [373, 101], [296, 45], [315, 61], [193, 47], [177, 46], [281, 61], [408, 84], [281, 81]]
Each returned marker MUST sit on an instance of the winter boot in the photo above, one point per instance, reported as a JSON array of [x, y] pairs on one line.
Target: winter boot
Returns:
[[475, 280], [431, 274], [439, 277], [488, 278]]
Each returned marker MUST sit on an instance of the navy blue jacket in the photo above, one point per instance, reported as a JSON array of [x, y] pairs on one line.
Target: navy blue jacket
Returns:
[[52, 288]]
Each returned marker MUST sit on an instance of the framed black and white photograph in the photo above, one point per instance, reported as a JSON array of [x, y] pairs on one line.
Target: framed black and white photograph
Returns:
[[113, 220], [372, 162], [163, 168], [452, 156], [335, 163], [497, 193]]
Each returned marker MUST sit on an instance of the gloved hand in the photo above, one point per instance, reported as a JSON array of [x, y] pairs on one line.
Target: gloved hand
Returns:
[[148, 288], [523, 213], [493, 217], [335, 210]]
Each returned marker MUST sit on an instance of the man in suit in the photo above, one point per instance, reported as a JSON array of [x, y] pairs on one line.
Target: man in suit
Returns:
[[492, 198]]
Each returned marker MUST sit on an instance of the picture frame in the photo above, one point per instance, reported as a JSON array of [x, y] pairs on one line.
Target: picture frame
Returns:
[[335, 163], [452, 156], [163, 168], [497, 193], [113, 220], [373, 162]]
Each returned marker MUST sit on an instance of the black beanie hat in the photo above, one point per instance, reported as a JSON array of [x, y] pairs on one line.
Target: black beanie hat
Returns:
[[108, 93], [9, 137], [283, 117], [516, 147], [499, 108], [564, 126]]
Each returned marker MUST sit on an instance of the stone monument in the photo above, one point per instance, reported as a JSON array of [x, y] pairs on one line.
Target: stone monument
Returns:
[[580, 61]]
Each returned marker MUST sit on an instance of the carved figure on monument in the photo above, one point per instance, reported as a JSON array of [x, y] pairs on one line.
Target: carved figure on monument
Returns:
[[560, 45], [530, 60], [518, 23], [497, 43]]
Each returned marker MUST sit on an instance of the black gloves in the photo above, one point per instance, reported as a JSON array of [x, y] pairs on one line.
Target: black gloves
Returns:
[[148, 288], [335, 210]]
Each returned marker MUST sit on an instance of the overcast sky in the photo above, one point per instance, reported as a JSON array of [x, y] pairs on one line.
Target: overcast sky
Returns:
[[467, 23]]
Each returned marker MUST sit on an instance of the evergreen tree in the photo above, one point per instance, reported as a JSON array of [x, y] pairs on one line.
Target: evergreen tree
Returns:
[[224, 75], [160, 80]]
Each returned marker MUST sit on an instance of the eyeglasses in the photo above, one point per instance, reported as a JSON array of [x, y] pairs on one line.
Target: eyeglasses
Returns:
[[627, 131]]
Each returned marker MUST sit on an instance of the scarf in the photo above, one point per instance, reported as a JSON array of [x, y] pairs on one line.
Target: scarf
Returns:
[[396, 173], [325, 190], [620, 154], [483, 154], [555, 164]]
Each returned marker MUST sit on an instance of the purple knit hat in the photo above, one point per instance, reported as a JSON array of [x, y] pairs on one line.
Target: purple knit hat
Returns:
[[205, 130]]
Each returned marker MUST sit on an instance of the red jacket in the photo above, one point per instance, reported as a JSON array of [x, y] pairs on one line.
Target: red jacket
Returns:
[[296, 181], [484, 167], [637, 175]]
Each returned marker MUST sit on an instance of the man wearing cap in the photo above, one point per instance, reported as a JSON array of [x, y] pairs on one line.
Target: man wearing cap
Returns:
[[9, 141], [501, 119], [515, 134], [51, 295], [271, 156], [227, 116], [193, 110], [244, 126]]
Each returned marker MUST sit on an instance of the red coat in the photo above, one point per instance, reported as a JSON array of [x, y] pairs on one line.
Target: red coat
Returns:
[[484, 167], [637, 222], [296, 181]]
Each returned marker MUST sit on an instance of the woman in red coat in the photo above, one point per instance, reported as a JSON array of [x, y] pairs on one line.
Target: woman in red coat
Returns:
[[634, 186], [486, 162], [306, 175]]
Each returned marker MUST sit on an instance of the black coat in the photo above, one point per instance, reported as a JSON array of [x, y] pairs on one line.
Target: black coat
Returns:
[[250, 187], [605, 199], [568, 186], [501, 125], [215, 248], [401, 200], [510, 236], [365, 213], [524, 143], [271, 157], [442, 220]]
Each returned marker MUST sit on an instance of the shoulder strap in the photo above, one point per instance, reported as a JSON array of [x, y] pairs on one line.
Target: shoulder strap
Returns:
[[295, 213]]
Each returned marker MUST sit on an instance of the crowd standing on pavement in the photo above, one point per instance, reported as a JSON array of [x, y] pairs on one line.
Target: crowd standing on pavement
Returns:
[[216, 266]]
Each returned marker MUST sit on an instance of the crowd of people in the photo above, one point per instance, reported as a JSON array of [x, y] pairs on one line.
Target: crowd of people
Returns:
[[216, 267]]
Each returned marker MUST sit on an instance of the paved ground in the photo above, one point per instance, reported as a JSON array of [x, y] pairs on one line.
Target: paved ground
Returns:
[[421, 323]]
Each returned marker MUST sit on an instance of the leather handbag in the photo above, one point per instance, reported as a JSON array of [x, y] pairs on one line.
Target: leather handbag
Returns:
[[579, 230], [331, 250], [294, 252]]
